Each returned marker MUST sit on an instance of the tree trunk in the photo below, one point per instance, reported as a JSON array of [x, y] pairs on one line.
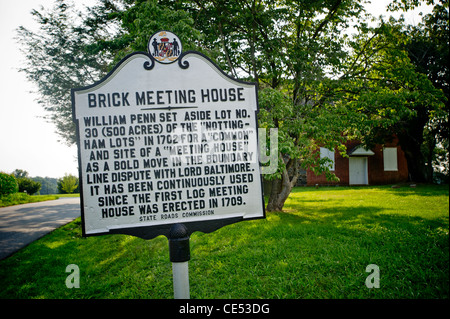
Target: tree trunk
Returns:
[[281, 188], [280, 192], [411, 140], [417, 168]]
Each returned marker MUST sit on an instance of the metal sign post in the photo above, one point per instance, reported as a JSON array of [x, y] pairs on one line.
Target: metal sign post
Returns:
[[179, 256]]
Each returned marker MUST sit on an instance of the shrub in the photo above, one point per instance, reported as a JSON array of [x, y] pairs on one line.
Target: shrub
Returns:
[[8, 184], [14, 199], [68, 184], [28, 185]]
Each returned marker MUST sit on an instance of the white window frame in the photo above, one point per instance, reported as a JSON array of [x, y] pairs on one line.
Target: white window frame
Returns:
[[390, 159], [326, 153]]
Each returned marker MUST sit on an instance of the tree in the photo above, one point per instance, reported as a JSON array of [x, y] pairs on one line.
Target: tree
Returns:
[[28, 185], [8, 184], [396, 95], [428, 49], [291, 50], [49, 185], [20, 173], [59, 58], [68, 184]]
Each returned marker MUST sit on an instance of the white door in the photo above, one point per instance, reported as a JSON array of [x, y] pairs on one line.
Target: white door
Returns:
[[358, 171]]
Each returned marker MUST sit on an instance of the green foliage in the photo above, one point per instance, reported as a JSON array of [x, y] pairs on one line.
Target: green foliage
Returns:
[[301, 128], [20, 173], [13, 199], [288, 49], [28, 185], [68, 184], [49, 185], [399, 85], [428, 49], [73, 49], [58, 59], [8, 184], [22, 198], [143, 18]]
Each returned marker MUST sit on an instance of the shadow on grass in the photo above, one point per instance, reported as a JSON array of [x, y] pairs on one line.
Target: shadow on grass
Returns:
[[424, 190], [366, 218]]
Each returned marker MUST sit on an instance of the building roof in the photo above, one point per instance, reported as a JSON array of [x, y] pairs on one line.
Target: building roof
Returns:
[[360, 150]]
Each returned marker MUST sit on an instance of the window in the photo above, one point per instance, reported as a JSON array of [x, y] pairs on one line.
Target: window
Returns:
[[390, 159], [326, 153]]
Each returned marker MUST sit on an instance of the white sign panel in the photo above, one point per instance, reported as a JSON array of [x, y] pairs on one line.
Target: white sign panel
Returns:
[[163, 143]]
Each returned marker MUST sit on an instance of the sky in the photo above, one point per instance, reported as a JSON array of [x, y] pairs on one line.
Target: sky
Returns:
[[29, 142]]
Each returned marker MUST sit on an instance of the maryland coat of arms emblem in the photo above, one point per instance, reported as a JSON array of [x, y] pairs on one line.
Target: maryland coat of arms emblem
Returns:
[[164, 46]]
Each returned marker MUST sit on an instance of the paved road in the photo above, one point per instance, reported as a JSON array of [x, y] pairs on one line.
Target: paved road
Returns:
[[23, 224]]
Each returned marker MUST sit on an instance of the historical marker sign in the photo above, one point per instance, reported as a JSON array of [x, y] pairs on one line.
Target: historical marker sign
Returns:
[[161, 143]]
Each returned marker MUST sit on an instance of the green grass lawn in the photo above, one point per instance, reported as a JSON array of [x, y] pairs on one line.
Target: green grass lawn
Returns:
[[319, 247]]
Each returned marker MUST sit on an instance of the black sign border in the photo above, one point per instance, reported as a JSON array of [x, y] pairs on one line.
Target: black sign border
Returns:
[[149, 232]]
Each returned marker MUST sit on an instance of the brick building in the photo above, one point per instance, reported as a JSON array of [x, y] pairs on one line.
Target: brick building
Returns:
[[384, 164]]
